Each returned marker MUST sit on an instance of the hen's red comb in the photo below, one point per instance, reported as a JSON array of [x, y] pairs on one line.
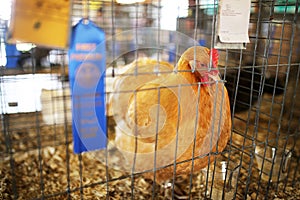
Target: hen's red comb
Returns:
[[215, 57]]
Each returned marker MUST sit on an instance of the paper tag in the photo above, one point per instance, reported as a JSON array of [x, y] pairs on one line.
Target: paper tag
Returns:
[[233, 21], [87, 72]]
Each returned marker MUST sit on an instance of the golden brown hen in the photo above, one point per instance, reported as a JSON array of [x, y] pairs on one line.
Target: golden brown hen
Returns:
[[181, 115]]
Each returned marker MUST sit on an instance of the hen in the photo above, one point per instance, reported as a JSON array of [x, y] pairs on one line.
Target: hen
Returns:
[[170, 121]]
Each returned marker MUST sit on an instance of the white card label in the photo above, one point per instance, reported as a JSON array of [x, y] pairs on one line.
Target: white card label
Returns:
[[234, 18]]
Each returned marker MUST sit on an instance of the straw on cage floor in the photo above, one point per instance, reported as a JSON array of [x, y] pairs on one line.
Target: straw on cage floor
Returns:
[[50, 169]]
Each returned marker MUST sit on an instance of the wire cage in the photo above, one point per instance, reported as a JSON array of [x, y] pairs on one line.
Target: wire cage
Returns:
[[258, 160]]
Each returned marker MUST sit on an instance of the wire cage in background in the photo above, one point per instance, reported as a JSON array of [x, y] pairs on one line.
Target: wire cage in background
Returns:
[[260, 159]]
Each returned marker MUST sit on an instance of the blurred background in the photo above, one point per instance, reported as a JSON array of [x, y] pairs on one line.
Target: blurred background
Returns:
[[37, 159]]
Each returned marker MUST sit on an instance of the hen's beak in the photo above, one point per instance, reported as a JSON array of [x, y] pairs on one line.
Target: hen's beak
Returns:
[[206, 74]]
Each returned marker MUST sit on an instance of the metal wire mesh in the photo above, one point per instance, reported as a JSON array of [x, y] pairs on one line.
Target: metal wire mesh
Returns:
[[261, 158]]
